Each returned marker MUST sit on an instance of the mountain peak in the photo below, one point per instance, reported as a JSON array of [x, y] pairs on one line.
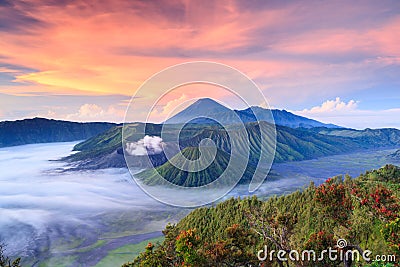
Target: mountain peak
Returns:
[[204, 107], [205, 100], [208, 103]]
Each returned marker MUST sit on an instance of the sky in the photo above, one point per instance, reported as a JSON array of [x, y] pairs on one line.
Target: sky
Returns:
[[335, 61]]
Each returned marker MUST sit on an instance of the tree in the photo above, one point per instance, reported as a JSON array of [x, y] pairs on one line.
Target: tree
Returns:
[[160, 255], [318, 242], [5, 261], [364, 211], [382, 202], [150, 257], [187, 245], [276, 227], [334, 200], [237, 249], [391, 233]]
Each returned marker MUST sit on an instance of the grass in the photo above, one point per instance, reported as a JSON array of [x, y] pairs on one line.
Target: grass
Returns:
[[126, 253], [68, 245], [99, 243], [58, 262]]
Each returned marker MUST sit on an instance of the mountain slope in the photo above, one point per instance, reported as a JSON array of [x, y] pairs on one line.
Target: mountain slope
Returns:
[[285, 118], [193, 179], [105, 150], [292, 144], [40, 130], [228, 233], [372, 137]]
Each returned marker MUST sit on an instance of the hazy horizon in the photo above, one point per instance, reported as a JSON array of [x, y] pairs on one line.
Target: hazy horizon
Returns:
[[294, 112]]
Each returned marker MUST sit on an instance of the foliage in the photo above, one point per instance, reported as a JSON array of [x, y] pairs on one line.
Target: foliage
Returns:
[[334, 200], [318, 242], [186, 247], [389, 173], [391, 233], [149, 257], [234, 250], [380, 264], [363, 211], [5, 261], [292, 144], [40, 130]]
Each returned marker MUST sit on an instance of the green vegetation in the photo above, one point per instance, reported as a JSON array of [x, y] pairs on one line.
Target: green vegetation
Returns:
[[184, 178], [63, 261], [364, 211], [125, 253], [39, 130], [67, 244], [105, 150], [6, 261], [292, 144], [98, 243]]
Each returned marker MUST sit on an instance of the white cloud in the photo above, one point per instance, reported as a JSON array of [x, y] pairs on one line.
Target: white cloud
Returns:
[[90, 111], [172, 107], [329, 106], [93, 112], [149, 145], [85, 113], [348, 114]]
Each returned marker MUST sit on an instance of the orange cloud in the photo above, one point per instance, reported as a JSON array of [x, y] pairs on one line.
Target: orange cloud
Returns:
[[112, 47]]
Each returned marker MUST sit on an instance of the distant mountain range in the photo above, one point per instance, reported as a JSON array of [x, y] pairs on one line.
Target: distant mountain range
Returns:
[[40, 130], [105, 150], [207, 108], [298, 138], [301, 141]]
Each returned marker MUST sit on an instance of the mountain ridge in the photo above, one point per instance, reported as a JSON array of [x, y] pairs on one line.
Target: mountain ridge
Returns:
[[292, 144], [189, 179], [209, 111], [42, 130]]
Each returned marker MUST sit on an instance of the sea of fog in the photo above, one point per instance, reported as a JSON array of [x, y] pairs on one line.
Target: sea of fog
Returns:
[[47, 213]]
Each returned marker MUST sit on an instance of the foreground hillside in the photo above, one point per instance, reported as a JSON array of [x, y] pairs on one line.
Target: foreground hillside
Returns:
[[364, 211], [40, 130]]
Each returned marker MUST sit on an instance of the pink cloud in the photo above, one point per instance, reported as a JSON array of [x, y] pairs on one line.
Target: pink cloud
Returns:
[[114, 46], [379, 41]]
